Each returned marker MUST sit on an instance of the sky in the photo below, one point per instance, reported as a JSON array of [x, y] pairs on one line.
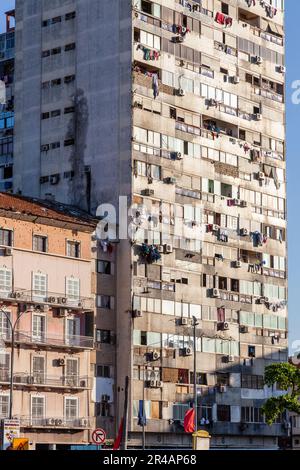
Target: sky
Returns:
[[293, 164]]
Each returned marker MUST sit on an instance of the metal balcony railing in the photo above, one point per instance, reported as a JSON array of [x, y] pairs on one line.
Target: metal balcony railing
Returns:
[[41, 380], [49, 339], [55, 422], [53, 299]]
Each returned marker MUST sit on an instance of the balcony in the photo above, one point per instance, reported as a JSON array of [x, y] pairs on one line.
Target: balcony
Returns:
[[49, 339], [53, 299], [45, 381], [55, 423]]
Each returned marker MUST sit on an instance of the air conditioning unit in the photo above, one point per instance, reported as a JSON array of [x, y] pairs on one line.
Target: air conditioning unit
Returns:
[[151, 383], [61, 362], [83, 383], [45, 148], [236, 80], [61, 313], [225, 326], [59, 422], [230, 358], [187, 352], [215, 293], [168, 248], [148, 192], [244, 329], [180, 92], [215, 227], [176, 155], [153, 356], [159, 384], [236, 202], [243, 204], [222, 388], [237, 264], [258, 60], [51, 300], [178, 39], [170, 180], [137, 314], [50, 421], [8, 252], [282, 69], [183, 321], [258, 116], [62, 300], [160, 249], [261, 176], [244, 232]]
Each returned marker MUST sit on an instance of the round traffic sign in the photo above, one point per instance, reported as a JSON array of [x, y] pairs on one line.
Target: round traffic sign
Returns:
[[99, 436]]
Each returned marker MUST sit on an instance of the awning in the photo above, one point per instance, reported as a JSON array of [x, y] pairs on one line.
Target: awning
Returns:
[[275, 29]]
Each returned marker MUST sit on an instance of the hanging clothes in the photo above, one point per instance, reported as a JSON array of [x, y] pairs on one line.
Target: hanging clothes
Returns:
[[221, 314], [155, 85]]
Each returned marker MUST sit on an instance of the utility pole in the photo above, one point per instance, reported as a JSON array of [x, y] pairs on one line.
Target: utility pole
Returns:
[[194, 324]]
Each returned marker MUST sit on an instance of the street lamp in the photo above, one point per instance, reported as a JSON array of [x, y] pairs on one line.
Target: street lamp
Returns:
[[13, 327], [143, 418]]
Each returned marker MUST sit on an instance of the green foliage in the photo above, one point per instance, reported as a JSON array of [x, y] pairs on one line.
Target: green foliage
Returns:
[[287, 378]]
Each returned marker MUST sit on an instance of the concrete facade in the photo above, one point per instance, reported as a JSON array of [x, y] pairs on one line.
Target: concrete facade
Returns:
[[179, 106], [49, 290]]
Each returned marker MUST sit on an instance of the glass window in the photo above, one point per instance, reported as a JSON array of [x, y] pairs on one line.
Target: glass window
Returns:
[[105, 267], [37, 410], [71, 409], [5, 280], [73, 249], [39, 285], [40, 243], [6, 237], [73, 288], [105, 301], [4, 406]]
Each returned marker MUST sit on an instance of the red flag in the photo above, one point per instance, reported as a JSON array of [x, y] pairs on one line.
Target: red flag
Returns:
[[118, 440], [189, 421]]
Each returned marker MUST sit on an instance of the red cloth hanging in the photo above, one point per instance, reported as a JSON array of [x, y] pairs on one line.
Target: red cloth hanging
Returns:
[[220, 18], [189, 421]]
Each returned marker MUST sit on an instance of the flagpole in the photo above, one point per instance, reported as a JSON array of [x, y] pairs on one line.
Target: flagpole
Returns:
[[195, 374]]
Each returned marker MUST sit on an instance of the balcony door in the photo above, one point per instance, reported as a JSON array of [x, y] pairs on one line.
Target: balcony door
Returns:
[[38, 369], [4, 367], [73, 331], [4, 326], [71, 411], [72, 370], [37, 410], [38, 328]]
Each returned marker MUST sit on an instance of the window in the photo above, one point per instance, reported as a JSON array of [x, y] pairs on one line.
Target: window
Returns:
[[37, 410], [72, 372], [70, 47], [73, 288], [222, 378], [56, 50], [250, 414], [4, 325], [38, 328], [103, 371], [4, 367], [225, 8], [6, 237], [38, 369], [71, 409], [39, 285], [103, 336], [5, 280], [73, 249], [201, 378], [4, 406], [105, 301], [40, 243], [252, 381], [105, 267], [223, 412], [70, 16], [251, 351]]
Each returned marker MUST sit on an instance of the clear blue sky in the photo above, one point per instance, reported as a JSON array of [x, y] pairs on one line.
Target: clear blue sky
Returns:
[[293, 153]]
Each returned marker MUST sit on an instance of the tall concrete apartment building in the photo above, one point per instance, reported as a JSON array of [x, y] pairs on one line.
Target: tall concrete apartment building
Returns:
[[7, 49], [178, 105]]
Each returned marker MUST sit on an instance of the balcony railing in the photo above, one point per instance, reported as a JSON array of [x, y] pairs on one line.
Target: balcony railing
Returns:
[[55, 422], [49, 339], [54, 299], [74, 382]]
